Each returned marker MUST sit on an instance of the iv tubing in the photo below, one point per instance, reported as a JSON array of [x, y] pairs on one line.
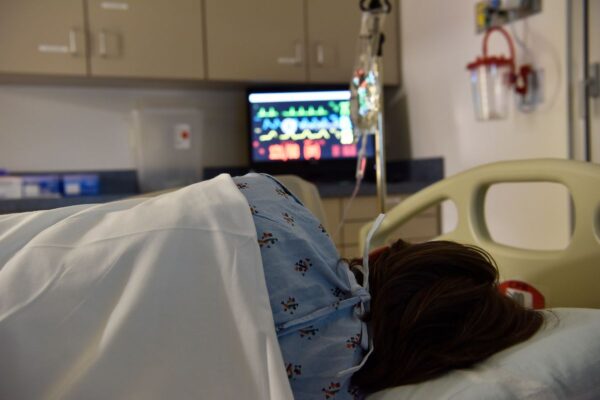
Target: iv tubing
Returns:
[[361, 163]]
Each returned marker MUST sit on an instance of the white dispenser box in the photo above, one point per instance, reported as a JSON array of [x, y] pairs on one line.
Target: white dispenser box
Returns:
[[167, 146], [11, 187]]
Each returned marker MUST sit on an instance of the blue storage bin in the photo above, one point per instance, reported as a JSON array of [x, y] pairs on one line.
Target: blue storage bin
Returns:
[[81, 185], [41, 186]]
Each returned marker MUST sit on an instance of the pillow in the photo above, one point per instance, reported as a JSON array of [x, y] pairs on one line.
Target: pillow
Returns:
[[561, 361]]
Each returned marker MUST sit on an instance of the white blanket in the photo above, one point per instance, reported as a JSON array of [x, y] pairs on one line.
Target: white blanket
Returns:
[[159, 298]]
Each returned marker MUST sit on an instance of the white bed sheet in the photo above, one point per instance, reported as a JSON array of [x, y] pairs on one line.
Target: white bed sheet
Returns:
[[147, 298]]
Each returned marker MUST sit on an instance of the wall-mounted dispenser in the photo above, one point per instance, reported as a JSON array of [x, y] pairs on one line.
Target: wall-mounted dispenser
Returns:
[[493, 77], [489, 13], [167, 146]]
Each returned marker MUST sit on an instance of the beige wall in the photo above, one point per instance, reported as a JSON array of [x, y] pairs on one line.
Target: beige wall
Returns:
[[51, 128], [438, 39]]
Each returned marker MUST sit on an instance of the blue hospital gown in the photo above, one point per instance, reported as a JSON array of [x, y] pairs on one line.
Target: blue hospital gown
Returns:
[[315, 300]]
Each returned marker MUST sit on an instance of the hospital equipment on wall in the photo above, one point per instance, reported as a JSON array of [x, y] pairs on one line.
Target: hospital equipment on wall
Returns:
[[489, 13], [166, 142], [493, 78]]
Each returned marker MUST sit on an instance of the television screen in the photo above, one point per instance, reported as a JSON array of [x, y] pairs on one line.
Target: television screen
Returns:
[[301, 125]]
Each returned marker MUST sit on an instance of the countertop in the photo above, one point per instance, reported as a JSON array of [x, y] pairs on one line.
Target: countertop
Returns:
[[404, 177]]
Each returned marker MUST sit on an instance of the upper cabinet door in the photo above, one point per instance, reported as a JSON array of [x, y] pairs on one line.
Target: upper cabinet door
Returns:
[[146, 38], [42, 37], [333, 27], [256, 40]]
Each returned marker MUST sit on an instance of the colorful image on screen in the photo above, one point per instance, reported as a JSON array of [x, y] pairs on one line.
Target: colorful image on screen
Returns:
[[302, 126]]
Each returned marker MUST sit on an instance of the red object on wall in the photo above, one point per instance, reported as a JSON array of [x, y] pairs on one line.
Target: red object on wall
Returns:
[[518, 78]]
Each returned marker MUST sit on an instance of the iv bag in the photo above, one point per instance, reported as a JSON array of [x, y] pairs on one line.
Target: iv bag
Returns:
[[366, 85]]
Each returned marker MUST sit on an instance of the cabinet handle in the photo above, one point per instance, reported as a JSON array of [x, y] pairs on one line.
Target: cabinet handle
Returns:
[[296, 60], [102, 44], [320, 55], [73, 42], [70, 48]]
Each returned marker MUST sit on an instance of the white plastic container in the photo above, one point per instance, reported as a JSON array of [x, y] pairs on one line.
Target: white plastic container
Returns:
[[167, 146], [490, 87]]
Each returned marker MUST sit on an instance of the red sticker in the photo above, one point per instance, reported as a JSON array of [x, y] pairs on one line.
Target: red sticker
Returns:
[[523, 293]]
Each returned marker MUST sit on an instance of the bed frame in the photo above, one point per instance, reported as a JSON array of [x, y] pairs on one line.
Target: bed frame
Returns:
[[567, 278]]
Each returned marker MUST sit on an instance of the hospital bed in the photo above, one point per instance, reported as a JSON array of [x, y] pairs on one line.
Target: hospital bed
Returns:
[[133, 266], [555, 273], [562, 360]]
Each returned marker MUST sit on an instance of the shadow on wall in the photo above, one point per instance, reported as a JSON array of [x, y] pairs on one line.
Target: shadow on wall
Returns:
[[397, 134]]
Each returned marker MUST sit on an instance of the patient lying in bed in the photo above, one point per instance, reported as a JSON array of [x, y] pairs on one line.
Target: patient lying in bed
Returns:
[[432, 307], [165, 298]]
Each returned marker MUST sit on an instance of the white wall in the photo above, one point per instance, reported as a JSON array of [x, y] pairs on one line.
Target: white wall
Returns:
[[438, 39], [52, 128]]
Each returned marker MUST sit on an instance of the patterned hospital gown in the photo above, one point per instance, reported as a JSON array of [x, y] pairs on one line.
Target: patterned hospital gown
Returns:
[[315, 300]]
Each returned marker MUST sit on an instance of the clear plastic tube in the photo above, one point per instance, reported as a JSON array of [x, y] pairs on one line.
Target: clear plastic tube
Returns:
[[361, 164]]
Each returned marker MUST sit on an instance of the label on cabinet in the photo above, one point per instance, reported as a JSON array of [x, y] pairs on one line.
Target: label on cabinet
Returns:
[[53, 48], [114, 5]]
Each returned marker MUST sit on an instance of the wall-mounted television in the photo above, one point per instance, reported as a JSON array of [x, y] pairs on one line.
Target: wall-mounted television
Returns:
[[305, 131]]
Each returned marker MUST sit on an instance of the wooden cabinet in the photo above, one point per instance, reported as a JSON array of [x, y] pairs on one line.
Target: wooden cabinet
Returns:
[[295, 41], [133, 38], [289, 40], [363, 210], [42, 37], [256, 40], [146, 38], [333, 27]]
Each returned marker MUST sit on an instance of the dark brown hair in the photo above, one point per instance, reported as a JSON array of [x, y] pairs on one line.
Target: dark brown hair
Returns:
[[435, 307]]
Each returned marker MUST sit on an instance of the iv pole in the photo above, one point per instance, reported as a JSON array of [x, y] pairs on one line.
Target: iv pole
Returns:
[[376, 6], [380, 164], [380, 175]]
